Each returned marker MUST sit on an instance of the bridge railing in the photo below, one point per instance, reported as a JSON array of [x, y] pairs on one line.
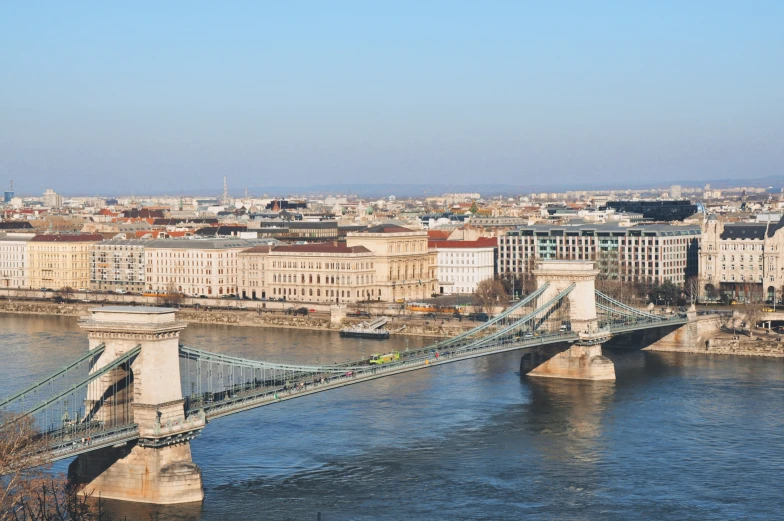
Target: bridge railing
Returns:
[[246, 400], [67, 406], [215, 377]]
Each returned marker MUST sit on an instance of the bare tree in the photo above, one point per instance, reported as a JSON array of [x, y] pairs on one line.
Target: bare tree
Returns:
[[753, 307], [173, 297], [490, 293], [66, 293], [613, 275], [27, 493], [692, 289], [525, 282]]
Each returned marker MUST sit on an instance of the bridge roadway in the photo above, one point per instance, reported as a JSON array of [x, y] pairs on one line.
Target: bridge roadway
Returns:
[[252, 400], [71, 443]]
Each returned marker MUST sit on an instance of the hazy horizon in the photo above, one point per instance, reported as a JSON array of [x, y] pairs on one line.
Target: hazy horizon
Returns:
[[149, 97]]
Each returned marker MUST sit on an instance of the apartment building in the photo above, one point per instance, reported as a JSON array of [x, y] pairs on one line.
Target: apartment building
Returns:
[[405, 268], [14, 260], [742, 260], [193, 266], [462, 265], [325, 272], [60, 260], [252, 268], [118, 265], [645, 253]]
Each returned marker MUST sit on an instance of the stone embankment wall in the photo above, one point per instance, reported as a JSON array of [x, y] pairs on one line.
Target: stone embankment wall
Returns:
[[252, 318], [320, 322], [689, 336], [743, 346], [43, 308], [706, 335]]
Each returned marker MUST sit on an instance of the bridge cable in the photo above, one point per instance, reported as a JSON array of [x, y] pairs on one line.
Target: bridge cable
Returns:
[[95, 352], [100, 372]]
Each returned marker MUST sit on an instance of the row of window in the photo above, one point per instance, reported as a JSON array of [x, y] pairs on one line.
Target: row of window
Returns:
[[323, 265], [341, 279]]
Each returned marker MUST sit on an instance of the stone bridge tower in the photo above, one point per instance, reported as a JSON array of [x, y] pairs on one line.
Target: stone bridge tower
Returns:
[[583, 360], [156, 468], [561, 274]]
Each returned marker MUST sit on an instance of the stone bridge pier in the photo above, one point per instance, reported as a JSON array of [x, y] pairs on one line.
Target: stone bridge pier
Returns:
[[156, 468], [583, 360]]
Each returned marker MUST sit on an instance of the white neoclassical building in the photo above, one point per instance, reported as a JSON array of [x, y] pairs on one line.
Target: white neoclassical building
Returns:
[[193, 267], [14, 260], [462, 265], [742, 260]]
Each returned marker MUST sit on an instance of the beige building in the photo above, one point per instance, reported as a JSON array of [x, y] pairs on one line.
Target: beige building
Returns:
[[193, 267], [252, 269], [405, 269], [742, 260], [383, 263], [60, 260], [14, 260], [309, 273]]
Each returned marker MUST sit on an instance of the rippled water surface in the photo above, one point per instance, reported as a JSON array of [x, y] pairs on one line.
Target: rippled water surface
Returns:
[[676, 437]]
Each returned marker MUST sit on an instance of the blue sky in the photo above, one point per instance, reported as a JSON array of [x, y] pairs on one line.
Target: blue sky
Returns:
[[108, 97]]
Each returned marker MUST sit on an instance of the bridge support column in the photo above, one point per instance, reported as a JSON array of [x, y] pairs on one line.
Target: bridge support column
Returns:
[[579, 362], [156, 468], [163, 476], [584, 360]]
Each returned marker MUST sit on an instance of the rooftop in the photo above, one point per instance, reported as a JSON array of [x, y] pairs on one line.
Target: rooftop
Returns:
[[320, 248], [198, 244], [482, 242], [86, 237], [387, 228]]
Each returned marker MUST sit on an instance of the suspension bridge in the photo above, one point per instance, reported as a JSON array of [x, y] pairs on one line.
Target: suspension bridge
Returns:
[[128, 408]]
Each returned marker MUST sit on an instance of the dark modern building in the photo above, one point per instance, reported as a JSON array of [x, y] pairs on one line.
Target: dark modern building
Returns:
[[284, 204], [657, 210], [16, 226]]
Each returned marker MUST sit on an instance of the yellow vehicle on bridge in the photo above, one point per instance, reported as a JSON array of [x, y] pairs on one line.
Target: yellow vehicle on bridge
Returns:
[[392, 356]]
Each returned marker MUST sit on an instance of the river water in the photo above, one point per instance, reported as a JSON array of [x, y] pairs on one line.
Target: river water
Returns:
[[677, 437]]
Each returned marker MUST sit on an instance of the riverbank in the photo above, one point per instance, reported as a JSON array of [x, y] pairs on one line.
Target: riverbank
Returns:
[[724, 343], [254, 318]]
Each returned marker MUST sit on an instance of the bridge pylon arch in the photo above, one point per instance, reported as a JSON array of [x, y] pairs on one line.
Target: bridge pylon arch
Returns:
[[156, 468], [584, 360]]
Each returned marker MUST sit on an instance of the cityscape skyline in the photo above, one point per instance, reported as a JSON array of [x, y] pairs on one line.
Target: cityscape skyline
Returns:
[[536, 249], [771, 184], [105, 99]]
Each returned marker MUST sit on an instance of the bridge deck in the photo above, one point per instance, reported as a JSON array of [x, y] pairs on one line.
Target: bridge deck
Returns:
[[243, 403]]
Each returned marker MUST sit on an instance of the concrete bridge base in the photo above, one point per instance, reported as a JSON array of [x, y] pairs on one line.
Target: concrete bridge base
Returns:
[[576, 363], [162, 476]]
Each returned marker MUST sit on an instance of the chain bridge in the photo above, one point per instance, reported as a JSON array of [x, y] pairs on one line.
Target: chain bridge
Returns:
[[129, 407]]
